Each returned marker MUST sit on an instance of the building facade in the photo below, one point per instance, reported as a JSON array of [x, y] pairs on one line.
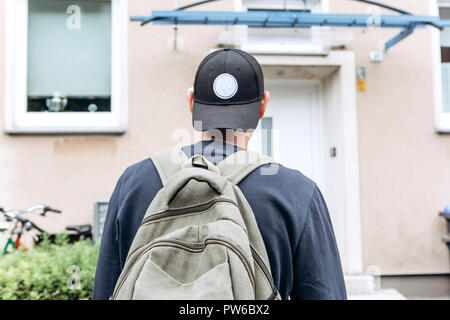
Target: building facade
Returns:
[[381, 156]]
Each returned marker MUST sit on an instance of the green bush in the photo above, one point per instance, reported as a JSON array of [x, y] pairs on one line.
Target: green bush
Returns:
[[58, 271]]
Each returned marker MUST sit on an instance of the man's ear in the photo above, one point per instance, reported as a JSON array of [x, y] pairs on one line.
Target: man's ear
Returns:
[[190, 97], [264, 102]]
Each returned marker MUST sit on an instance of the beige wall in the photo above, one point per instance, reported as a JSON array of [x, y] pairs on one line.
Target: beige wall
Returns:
[[404, 164]]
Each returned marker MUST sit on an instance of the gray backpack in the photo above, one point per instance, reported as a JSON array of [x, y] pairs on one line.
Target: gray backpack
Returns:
[[199, 239]]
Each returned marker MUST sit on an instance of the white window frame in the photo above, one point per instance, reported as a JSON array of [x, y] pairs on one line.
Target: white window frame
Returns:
[[323, 7], [18, 120], [442, 119], [268, 46]]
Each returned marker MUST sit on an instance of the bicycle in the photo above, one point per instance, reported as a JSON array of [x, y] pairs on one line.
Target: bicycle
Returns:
[[22, 224]]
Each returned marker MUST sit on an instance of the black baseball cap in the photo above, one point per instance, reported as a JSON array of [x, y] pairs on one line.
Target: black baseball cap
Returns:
[[228, 89]]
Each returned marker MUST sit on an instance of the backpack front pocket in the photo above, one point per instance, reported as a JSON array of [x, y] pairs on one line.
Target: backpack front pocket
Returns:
[[183, 271], [206, 264], [156, 284]]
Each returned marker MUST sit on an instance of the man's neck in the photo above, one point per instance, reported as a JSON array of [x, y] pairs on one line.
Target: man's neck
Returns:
[[237, 138]]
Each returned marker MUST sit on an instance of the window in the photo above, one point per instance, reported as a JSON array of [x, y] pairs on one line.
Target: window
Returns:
[[69, 64], [66, 66], [445, 61], [441, 69], [299, 5], [285, 40], [266, 128]]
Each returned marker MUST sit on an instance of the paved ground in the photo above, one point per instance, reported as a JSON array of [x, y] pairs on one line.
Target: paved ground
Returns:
[[429, 298], [383, 294]]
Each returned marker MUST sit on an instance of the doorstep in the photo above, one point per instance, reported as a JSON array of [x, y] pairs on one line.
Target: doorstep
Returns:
[[363, 287], [381, 294]]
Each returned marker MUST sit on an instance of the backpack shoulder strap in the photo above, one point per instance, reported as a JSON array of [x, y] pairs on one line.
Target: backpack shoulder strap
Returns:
[[240, 164], [235, 168], [168, 162]]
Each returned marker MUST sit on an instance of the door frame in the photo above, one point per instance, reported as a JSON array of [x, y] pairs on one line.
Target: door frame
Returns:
[[342, 88], [315, 115]]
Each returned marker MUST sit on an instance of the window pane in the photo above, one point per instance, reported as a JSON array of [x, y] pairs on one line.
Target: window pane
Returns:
[[69, 55], [266, 133], [281, 4], [445, 60], [446, 86]]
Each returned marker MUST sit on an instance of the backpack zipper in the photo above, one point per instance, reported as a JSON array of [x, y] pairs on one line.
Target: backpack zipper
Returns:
[[172, 213], [194, 247], [259, 261]]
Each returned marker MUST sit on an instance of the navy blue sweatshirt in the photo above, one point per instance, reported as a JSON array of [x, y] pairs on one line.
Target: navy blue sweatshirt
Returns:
[[289, 209]]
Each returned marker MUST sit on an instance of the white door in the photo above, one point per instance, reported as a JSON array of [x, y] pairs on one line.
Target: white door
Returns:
[[294, 114]]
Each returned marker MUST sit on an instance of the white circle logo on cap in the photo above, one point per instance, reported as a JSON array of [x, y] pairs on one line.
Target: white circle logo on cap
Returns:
[[225, 86]]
